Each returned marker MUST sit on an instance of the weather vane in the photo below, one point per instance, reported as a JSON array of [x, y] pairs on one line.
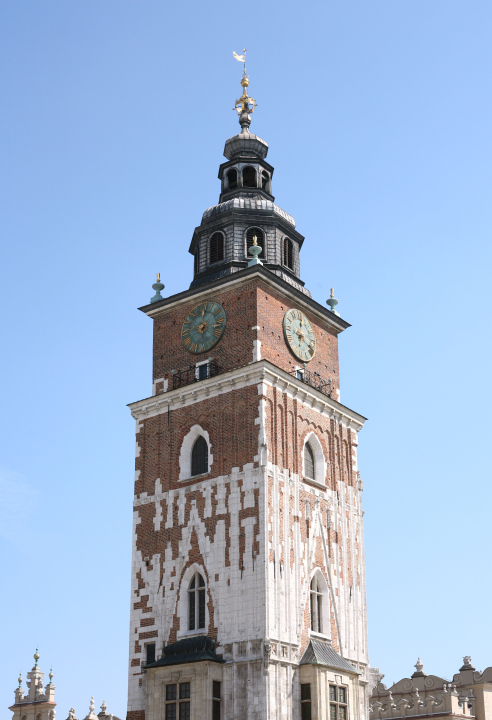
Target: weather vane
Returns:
[[246, 104]]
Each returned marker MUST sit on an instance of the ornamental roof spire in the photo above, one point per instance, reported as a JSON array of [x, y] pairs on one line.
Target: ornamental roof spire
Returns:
[[246, 104]]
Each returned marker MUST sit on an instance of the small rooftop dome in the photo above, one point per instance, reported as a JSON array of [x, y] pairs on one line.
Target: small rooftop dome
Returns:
[[245, 144]]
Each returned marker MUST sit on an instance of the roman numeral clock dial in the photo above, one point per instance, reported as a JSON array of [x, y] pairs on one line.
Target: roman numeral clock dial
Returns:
[[203, 327], [299, 335]]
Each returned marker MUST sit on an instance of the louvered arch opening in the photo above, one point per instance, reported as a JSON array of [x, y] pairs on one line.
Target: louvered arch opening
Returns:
[[308, 461], [199, 457], [249, 177], [216, 247], [288, 253], [260, 240]]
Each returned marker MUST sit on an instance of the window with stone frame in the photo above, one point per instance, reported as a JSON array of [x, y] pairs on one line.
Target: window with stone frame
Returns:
[[316, 600], [306, 701], [196, 603], [216, 700], [265, 177], [199, 457], [177, 704], [308, 462], [338, 702], [216, 248], [260, 240], [288, 253]]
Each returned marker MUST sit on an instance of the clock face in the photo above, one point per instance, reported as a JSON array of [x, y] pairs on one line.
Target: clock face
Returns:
[[299, 335], [203, 327]]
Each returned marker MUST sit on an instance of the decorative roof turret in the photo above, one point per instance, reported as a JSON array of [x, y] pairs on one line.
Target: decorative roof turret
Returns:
[[245, 144], [246, 221]]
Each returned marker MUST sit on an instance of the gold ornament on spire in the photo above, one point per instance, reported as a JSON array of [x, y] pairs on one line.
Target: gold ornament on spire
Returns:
[[246, 104]]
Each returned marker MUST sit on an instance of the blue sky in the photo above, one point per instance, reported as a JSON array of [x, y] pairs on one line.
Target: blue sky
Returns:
[[112, 124]]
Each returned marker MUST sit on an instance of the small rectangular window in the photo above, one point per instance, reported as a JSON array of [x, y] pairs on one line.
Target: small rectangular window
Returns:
[[305, 701], [149, 653], [338, 703], [184, 690], [184, 711], [216, 689], [203, 371], [170, 692], [171, 711]]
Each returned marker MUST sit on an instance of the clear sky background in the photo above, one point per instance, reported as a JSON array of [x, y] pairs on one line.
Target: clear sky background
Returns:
[[112, 124]]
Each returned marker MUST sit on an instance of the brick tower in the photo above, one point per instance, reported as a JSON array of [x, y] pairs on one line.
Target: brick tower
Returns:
[[248, 588]]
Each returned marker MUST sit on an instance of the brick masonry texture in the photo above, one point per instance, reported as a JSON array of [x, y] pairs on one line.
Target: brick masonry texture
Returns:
[[253, 526], [254, 304]]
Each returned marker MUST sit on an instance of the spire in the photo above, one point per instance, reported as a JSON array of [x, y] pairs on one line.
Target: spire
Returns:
[[246, 104]]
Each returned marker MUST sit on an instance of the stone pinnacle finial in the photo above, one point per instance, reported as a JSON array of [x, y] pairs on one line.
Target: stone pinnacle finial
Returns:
[[419, 665], [92, 707], [157, 286], [254, 250], [332, 302], [246, 104]]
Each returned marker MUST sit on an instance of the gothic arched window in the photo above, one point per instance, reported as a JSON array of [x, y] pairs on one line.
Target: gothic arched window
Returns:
[[199, 457], [264, 180], [316, 597], [216, 247], [231, 179], [249, 177], [288, 254], [260, 239], [196, 603], [308, 461]]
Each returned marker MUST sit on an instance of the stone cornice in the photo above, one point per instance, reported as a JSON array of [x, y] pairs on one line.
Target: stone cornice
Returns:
[[262, 372], [240, 278]]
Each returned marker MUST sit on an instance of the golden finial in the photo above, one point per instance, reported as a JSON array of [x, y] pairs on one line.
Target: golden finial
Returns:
[[332, 294], [51, 675], [255, 240], [19, 679], [158, 277], [36, 656], [246, 104]]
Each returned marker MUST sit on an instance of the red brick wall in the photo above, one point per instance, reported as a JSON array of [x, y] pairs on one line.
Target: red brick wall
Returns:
[[253, 304]]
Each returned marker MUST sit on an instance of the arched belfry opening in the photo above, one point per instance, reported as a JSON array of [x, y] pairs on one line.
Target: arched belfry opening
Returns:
[[249, 177], [260, 240]]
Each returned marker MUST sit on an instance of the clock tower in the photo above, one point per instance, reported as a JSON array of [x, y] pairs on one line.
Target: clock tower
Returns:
[[248, 589]]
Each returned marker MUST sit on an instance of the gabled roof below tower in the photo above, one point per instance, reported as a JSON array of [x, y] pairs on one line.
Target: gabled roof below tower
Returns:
[[195, 649], [320, 652]]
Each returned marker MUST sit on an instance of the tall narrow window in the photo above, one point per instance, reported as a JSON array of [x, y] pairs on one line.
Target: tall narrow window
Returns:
[[196, 261], [249, 177], [199, 457], [288, 254], [149, 653], [196, 603], [216, 247], [232, 179], [264, 180], [305, 701], [308, 462], [216, 700], [316, 598], [260, 240], [338, 703]]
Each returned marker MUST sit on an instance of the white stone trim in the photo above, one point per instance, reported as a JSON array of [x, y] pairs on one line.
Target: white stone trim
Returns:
[[183, 602], [319, 478], [185, 454], [262, 372]]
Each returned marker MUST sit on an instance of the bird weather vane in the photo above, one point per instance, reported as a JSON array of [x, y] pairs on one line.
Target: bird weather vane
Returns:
[[246, 104]]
